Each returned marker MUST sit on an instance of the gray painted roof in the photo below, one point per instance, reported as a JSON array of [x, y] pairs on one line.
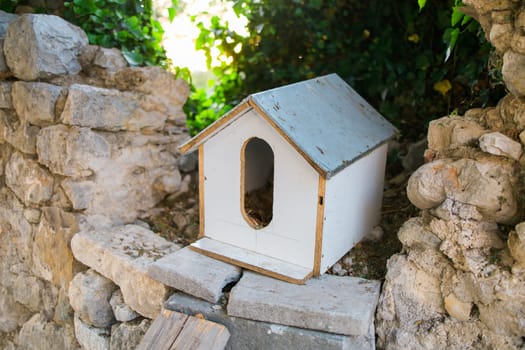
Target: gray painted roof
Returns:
[[326, 120]]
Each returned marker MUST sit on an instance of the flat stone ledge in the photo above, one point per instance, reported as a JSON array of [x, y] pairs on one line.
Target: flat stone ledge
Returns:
[[194, 274], [122, 254], [248, 334], [343, 305]]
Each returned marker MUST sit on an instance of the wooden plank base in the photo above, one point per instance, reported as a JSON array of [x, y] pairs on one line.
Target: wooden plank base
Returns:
[[252, 261], [173, 330]]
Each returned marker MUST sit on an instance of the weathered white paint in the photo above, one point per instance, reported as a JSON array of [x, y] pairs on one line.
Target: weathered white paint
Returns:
[[352, 205], [290, 236], [250, 258]]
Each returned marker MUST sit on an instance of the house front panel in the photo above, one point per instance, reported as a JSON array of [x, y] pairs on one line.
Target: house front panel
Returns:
[[290, 235]]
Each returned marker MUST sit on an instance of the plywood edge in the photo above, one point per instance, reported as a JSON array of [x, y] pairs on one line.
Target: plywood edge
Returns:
[[238, 261], [201, 190], [269, 120], [216, 126], [318, 250]]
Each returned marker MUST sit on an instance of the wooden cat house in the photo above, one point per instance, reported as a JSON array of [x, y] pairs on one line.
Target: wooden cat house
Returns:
[[291, 178]]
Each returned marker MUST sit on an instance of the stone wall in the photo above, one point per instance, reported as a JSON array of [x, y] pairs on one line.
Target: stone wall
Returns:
[[86, 143], [459, 282]]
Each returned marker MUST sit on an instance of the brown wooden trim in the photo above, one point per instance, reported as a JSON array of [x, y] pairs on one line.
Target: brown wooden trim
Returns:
[[251, 267], [243, 174], [278, 129], [192, 143], [201, 190], [318, 250]]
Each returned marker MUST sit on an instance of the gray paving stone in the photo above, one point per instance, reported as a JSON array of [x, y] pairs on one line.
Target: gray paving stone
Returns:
[[194, 274], [248, 334], [344, 305]]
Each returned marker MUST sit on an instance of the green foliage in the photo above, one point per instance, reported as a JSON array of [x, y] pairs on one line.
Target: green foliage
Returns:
[[128, 25], [389, 51]]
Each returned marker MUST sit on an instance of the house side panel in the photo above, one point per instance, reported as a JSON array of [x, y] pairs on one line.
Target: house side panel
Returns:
[[352, 205], [290, 236]]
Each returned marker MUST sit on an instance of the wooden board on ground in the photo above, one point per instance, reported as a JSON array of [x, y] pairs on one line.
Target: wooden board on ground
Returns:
[[176, 331], [253, 261]]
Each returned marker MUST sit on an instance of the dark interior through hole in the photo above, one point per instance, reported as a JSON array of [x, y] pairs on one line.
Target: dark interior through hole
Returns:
[[258, 183]]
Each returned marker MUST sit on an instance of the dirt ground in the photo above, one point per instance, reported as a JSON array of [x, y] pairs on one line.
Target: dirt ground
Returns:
[[177, 220]]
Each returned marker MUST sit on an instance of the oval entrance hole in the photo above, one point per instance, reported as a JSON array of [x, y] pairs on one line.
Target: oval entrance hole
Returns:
[[257, 183]]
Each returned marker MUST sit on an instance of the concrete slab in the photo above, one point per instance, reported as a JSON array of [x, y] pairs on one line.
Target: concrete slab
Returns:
[[194, 274], [248, 334], [344, 305]]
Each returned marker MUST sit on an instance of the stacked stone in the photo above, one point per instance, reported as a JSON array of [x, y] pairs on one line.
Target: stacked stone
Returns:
[[86, 144], [459, 282]]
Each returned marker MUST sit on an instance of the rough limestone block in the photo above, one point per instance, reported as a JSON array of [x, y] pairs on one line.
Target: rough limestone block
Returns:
[[500, 145], [110, 59], [5, 19], [32, 183], [344, 305], [486, 184], [153, 81], [122, 312], [52, 258], [128, 335], [36, 102], [6, 101], [48, 44], [12, 313], [516, 244], [513, 73], [91, 338], [18, 133], [89, 295], [248, 334], [194, 273], [38, 333], [452, 132], [123, 254], [71, 151], [79, 192], [110, 109]]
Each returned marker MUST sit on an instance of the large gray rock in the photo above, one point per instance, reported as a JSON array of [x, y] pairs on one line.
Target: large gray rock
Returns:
[[123, 254], [48, 44], [36, 102], [248, 334], [110, 109], [89, 295], [91, 338], [344, 305], [37, 334], [194, 273], [32, 183], [128, 335]]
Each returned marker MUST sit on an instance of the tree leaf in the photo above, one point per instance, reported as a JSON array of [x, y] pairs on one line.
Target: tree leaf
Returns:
[[421, 4], [133, 58]]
